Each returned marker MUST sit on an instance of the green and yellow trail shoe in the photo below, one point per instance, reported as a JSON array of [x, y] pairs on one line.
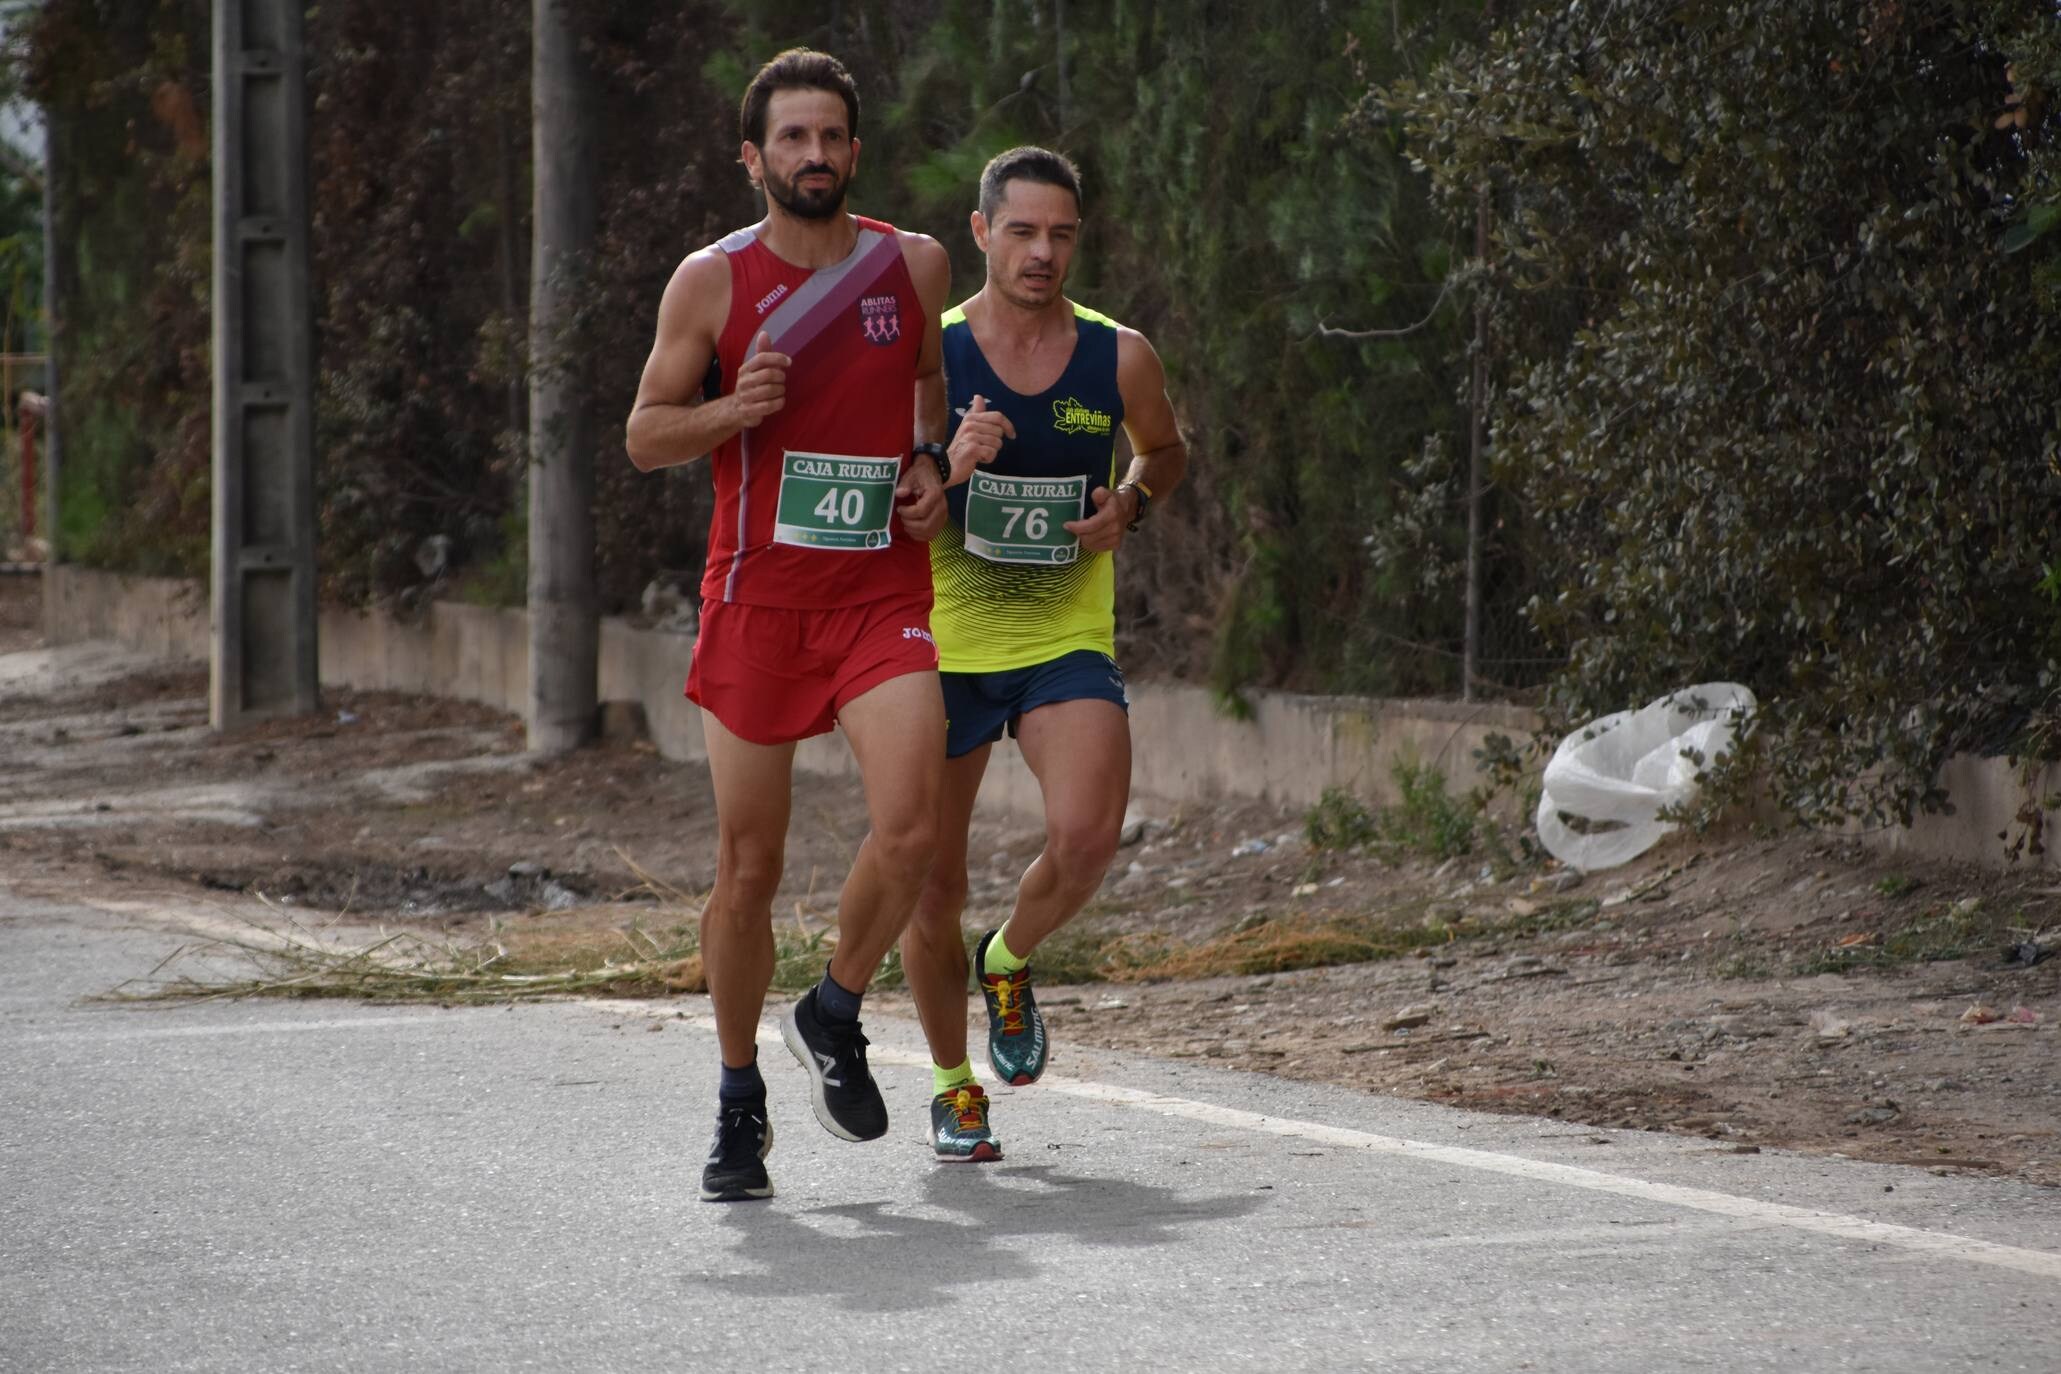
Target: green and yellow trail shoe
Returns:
[[1016, 1031], [959, 1126]]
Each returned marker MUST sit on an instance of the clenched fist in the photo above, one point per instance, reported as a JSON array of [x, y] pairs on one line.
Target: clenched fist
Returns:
[[761, 383], [980, 436]]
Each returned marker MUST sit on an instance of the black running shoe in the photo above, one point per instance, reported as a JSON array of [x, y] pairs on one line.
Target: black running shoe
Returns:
[[841, 1090], [736, 1169]]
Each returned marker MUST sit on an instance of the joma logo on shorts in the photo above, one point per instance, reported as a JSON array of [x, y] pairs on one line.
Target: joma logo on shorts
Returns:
[[912, 632], [1071, 417]]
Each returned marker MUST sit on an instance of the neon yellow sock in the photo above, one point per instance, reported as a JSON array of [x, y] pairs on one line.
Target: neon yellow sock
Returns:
[[998, 959], [945, 1080]]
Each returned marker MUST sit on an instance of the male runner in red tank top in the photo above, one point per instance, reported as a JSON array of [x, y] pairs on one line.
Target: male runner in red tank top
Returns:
[[822, 328]]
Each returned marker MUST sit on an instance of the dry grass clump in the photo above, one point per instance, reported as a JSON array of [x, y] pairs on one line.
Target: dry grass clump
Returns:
[[1275, 945], [625, 950], [403, 966], [616, 949], [1279, 946], [585, 951]]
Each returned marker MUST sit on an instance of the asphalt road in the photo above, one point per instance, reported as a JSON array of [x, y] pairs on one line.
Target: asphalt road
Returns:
[[284, 1186]]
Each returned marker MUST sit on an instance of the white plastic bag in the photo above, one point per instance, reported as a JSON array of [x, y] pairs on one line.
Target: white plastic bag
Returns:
[[1619, 772]]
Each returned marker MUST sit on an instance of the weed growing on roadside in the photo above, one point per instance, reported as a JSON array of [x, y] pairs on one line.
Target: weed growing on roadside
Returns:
[[1940, 933], [1428, 819], [1744, 966], [1496, 849], [1338, 821]]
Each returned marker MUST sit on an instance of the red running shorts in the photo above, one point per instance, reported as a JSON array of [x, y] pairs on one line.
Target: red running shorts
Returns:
[[773, 675]]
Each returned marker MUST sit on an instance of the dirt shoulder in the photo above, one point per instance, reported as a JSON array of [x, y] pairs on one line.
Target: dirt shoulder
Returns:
[[1765, 991]]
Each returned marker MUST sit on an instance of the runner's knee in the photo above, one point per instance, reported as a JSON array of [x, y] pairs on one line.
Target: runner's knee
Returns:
[[936, 936], [944, 893], [748, 874], [906, 844], [1080, 853]]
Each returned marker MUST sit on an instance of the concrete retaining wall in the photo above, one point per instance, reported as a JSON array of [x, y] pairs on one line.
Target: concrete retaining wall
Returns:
[[1987, 795], [160, 616], [1184, 749]]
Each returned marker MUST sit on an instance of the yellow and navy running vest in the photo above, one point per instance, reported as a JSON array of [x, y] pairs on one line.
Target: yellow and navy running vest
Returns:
[[1012, 588]]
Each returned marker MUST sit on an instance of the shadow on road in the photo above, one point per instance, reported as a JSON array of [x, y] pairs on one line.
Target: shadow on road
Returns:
[[871, 1257], [1091, 1210]]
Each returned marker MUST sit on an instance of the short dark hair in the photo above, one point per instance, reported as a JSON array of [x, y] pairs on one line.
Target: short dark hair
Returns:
[[797, 69], [1026, 164]]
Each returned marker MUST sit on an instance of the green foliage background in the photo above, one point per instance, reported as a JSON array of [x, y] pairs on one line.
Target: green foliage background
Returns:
[[1231, 210], [133, 270], [1779, 364], [1771, 298]]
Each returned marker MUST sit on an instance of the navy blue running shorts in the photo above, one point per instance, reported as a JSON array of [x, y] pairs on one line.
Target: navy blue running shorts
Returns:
[[979, 705]]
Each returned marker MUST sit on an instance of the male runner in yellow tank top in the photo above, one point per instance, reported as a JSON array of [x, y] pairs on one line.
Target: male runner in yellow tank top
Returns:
[[1024, 575]]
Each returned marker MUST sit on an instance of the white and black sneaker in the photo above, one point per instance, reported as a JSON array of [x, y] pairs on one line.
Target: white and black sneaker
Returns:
[[843, 1093], [736, 1170]]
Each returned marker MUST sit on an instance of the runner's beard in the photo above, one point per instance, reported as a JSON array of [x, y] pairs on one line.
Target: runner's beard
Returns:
[[812, 204]]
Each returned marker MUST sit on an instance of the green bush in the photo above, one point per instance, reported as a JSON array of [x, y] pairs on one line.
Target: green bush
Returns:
[[1429, 820], [1774, 342], [1339, 820]]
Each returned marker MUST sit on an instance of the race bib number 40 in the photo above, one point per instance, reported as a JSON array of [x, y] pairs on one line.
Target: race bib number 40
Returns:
[[830, 501], [1023, 519]]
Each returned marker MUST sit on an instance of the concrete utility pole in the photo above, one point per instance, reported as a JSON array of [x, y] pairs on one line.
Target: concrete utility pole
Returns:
[[1477, 440], [1477, 432], [56, 271], [565, 633], [263, 653]]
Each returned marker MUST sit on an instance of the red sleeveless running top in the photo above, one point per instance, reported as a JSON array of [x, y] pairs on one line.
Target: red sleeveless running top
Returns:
[[853, 330]]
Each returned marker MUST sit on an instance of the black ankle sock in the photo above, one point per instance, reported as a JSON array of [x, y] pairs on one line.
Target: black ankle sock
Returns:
[[741, 1085], [835, 1002]]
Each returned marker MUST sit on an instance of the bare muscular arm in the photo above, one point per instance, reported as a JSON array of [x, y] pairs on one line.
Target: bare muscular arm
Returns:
[[930, 270], [1159, 456], [671, 423]]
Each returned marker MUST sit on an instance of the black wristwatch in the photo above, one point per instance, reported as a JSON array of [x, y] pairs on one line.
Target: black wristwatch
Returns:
[[937, 453], [1144, 500]]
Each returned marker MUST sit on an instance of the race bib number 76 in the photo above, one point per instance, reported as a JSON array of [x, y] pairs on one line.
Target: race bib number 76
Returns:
[[1023, 519], [831, 501]]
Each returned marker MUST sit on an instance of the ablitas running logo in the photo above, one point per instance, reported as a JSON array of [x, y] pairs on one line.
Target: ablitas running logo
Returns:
[[880, 319]]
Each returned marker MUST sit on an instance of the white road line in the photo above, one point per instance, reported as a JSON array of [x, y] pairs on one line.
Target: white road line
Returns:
[[2041, 1263]]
